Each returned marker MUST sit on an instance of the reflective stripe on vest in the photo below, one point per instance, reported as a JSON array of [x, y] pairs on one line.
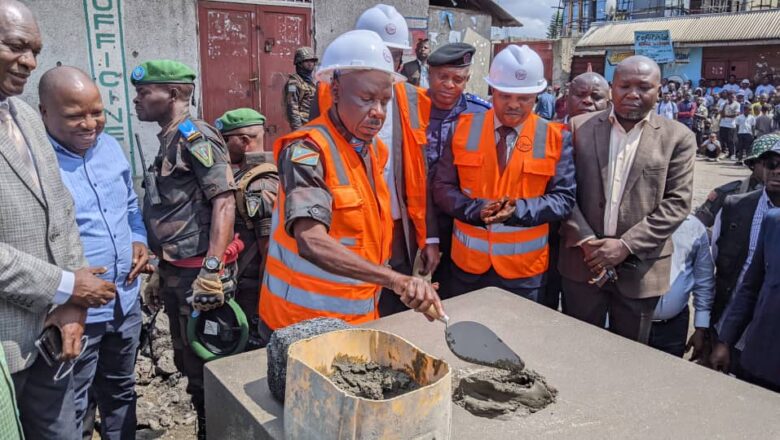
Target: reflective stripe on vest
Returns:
[[414, 109], [501, 249], [317, 301], [341, 173]]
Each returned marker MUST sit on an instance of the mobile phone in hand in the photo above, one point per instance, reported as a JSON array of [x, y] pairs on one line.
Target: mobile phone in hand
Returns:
[[49, 345]]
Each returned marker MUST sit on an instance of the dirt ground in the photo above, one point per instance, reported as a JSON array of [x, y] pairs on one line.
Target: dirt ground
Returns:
[[164, 411]]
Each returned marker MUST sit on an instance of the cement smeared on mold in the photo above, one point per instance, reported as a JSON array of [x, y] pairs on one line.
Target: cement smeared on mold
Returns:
[[497, 393], [370, 380]]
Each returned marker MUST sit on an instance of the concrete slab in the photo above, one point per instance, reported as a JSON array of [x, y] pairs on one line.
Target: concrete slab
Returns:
[[608, 387]]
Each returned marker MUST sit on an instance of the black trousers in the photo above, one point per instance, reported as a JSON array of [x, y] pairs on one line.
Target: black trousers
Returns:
[[728, 140], [670, 335], [628, 317], [744, 142]]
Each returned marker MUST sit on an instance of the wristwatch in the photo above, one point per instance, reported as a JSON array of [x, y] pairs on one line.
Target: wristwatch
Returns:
[[212, 264]]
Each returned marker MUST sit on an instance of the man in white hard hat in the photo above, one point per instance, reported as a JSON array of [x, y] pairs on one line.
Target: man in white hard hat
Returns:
[[332, 226], [415, 227], [508, 174]]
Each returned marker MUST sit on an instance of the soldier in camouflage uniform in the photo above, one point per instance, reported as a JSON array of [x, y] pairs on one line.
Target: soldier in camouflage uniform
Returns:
[[300, 90], [258, 183], [709, 209], [189, 215]]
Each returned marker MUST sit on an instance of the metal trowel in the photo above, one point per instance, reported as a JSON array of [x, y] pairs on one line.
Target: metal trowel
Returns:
[[475, 343]]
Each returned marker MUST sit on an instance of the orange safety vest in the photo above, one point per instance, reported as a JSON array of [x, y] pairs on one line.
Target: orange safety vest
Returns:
[[414, 106], [514, 252], [293, 288]]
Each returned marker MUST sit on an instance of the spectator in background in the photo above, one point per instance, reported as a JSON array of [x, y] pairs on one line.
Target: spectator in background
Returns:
[[664, 85], [693, 271], [745, 89], [416, 71], [732, 85], [686, 108], [760, 102], [711, 148], [763, 122], [713, 89], [545, 104], [667, 108], [765, 88], [701, 121], [560, 104], [728, 132], [589, 93], [96, 173], [742, 101], [776, 112], [745, 128]]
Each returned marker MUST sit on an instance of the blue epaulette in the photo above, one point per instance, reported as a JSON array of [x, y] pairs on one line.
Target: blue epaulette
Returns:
[[474, 99], [189, 131]]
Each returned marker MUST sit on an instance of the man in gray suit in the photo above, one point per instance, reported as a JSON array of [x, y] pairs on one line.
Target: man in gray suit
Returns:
[[634, 181], [43, 278]]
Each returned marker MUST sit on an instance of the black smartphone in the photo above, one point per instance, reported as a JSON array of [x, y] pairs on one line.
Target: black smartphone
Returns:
[[49, 345]]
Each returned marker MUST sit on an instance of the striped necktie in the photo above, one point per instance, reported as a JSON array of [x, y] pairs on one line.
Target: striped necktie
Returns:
[[17, 139]]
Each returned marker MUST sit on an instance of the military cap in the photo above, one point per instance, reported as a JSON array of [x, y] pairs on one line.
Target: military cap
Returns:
[[452, 55], [162, 72], [240, 117], [304, 54], [763, 144]]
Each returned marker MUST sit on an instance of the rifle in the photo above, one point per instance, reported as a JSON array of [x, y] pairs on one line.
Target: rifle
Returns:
[[150, 183]]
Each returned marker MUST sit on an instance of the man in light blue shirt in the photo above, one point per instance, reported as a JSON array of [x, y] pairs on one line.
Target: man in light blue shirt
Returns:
[[693, 271], [545, 104], [95, 171]]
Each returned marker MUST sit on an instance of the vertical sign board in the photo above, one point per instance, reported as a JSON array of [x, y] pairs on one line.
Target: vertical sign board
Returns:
[[107, 65], [656, 45]]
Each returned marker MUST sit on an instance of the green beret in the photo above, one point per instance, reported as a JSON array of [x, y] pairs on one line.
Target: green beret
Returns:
[[162, 72], [240, 117]]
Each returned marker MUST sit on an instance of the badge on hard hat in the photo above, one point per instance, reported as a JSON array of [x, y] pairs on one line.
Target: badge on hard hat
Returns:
[[467, 58], [386, 54], [521, 75], [390, 29]]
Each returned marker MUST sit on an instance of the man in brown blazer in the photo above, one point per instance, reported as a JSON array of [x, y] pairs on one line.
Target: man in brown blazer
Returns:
[[634, 182]]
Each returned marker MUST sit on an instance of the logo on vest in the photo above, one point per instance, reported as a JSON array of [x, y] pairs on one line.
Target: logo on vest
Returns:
[[524, 144], [521, 74], [390, 29]]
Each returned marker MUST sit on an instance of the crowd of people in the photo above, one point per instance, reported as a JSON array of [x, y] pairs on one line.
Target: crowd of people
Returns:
[[387, 195]]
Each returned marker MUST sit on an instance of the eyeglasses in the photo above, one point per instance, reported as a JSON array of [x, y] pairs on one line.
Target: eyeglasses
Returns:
[[70, 364]]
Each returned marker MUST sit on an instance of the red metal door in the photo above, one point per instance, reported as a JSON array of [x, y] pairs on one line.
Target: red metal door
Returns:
[[228, 55], [281, 30]]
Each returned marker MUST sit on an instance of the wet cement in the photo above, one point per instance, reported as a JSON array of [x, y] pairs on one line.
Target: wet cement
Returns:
[[499, 393], [370, 380]]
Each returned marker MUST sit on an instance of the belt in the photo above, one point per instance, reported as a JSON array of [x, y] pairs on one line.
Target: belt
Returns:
[[665, 321], [230, 256]]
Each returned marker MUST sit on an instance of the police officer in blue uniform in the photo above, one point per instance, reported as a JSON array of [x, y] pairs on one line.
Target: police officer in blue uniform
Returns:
[[449, 71]]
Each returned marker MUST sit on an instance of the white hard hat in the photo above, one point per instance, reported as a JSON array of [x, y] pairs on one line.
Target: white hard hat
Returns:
[[357, 50], [517, 69], [388, 23]]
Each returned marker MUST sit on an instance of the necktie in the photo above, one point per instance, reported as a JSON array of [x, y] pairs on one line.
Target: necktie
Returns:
[[503, 154], [13, 132]]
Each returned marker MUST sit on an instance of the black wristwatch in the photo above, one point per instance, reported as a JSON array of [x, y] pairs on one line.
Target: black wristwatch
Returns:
[[212, 264]]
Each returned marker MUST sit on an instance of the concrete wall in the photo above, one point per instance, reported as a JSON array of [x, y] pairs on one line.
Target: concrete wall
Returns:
[[563, 50], [334, 17], [467, 26], [117, 36]]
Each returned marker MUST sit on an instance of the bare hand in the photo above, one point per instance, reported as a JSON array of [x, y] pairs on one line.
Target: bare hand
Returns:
[[490, 209], [503, 214], [430, 256], [696, 342], [609, 252], [151, 293], [69, 318], [91, 291], [140, 261], [720, 359], [417, 293]]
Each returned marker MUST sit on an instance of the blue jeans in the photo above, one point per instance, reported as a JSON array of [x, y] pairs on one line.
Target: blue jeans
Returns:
[[108, 364]]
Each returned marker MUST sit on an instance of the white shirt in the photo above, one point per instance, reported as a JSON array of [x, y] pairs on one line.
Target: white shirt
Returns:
[[731, 87], [622, 151], [667, 109], [747, 93], [745, 124], [729, 109], [386, 135]]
